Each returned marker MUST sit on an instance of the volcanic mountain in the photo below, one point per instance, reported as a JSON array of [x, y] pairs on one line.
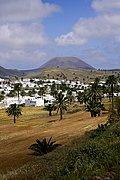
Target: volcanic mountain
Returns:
[[57, 62], [67, 63]]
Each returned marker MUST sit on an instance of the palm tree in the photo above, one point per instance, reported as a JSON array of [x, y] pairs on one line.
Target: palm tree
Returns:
[[111, 81], [95, 92], [70, 96], [14, 110], [94, 103], [95, 108], [50, 108], [80, 97], [44, 146], [41, 91], [53, 90], [18, 87], [61, 103], [23, 93]]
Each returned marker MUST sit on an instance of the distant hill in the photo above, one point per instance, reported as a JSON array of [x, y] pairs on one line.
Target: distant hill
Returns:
[[9, 72], [67, 63], [57, 62]]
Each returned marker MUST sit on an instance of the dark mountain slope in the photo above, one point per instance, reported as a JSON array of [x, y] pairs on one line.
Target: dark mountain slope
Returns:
[[9, 72], [67, 63]]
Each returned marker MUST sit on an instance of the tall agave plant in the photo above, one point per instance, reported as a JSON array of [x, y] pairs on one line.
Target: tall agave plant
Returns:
[[44, 146]]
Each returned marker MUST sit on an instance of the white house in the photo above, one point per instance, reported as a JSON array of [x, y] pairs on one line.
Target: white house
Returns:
[[34, 102]]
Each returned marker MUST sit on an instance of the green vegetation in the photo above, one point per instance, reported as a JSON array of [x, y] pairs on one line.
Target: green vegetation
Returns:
[[71, 74], [49, 108], [14, 110], [44, 146], [17, 88], [61, 103], [111, 82], [98, 155], [94, 102]]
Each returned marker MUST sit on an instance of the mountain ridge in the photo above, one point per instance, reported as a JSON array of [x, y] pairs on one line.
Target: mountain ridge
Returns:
[[57, 62]]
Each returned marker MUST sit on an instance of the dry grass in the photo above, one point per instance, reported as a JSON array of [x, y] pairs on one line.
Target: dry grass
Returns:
[[71, 74], [35, 123]]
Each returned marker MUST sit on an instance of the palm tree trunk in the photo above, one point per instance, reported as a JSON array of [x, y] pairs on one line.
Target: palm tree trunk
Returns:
[[18, 95], [50, 113], [60, 114], [14, 119], [112, 97]]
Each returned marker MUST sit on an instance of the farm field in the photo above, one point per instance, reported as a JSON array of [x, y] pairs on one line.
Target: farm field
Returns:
[[36, 124]]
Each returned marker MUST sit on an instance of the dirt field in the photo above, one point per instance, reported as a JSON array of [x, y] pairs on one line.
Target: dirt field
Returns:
[[35, 123]]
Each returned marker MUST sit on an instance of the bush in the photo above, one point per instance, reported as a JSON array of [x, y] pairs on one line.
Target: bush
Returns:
[[94, 133], [44, 146], [95, 157]]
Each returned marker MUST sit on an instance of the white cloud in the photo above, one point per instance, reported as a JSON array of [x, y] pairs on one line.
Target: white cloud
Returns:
[[25, 10], [106, 5], [103, 25], [22, 36], [16, 58], [22, 32], [70, 39], [98, 27]]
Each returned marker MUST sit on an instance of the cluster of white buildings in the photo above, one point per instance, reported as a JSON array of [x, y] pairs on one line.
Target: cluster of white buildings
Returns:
[[6, 86]]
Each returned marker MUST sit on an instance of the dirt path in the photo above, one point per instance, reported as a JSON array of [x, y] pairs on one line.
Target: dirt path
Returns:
[[15, 139]]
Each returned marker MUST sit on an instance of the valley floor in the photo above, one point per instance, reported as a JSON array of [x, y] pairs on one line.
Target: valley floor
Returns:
[[36, 124]]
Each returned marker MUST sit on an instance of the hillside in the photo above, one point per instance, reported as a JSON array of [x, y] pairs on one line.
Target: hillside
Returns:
[[67, 63], [62, 63], [71, 68], [72, 74], [9, 72]]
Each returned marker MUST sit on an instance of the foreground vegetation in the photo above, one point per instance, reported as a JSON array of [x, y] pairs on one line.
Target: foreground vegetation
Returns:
[[97, 156], [35, 123], [94, 155]]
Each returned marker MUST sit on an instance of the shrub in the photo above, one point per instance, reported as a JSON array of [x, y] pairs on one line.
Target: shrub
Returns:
[[94, 133], [44, 146], [95, 157]]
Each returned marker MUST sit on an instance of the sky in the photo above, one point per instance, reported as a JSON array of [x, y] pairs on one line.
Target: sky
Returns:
[[34, 31]]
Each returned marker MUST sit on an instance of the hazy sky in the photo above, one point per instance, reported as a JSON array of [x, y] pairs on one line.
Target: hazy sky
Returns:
[[34, 31]]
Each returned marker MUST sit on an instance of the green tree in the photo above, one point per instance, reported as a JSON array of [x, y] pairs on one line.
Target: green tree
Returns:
[[61, 103], [94, 103], [117, 105], [12, 93], [41, 91], [53, 90], [14, 110], [70, 96], [95, 92], [50, 108], [111, 82], [95, 108], [18, 87], [23, 93], [80, 97], [1, 97]]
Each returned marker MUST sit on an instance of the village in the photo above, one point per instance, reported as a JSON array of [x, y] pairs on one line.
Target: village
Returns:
[[34, 92], [38, 92]]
